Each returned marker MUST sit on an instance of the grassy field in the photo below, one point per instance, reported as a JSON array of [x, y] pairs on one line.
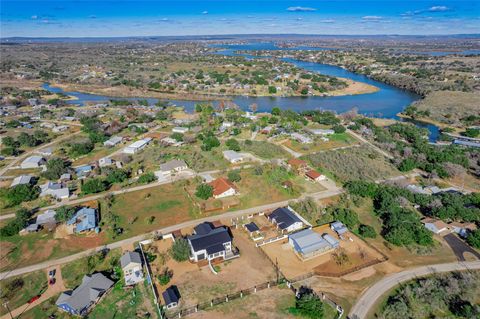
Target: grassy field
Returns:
[[167, 204], [335, 141], [264, 150], [45, 310], [74, 271], [18, 290], [353, 164], [448, 107]]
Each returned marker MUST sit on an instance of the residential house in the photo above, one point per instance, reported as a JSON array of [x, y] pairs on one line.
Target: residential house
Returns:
[[112, 141], [233, 157], [46, 219], [55, 190], [322, 132], [339, 228], [434, 225], [285, 219], [181, 130], [171, 297], [298, 165], [34, 161], [81, 299], [48, 151], [462, 229], [303, 139], [105, 161], [131, 263], [308, 244], [65, 177], [137, 146], [266, 130], [85, 219], [222, 188], [171, 167], [170, 141], [83, 171], [315, 176], [22, 180], [253, 231], [60, 128], [210, 242]]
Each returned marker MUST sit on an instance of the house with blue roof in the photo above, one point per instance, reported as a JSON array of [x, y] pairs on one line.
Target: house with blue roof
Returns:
[[84, 219], [83, 171]]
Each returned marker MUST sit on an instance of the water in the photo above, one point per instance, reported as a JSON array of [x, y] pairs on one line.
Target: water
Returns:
[[385, 103]]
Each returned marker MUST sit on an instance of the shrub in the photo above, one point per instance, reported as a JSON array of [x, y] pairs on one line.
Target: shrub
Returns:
[[233, 145], [204, 191], [147, 178], [94, 185], [180, 250], [310, 306], [367, 231], [339, 129], [234, 176]]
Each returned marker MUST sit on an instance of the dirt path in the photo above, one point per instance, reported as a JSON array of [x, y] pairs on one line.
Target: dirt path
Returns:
[[51, 291]]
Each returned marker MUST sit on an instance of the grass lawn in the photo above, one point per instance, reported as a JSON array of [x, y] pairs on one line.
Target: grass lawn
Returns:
[[19, 290], [335, 140], [74, 271], [264, 150], [95, 155], [167, 204], [46, 309], [122, 303], [356, 163]]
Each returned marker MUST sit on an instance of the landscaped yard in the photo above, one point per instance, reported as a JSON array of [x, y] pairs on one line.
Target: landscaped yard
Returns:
[[355, 163], [17, 291]]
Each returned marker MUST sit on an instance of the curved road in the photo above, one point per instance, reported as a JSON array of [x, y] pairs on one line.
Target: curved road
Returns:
[[368, 299]]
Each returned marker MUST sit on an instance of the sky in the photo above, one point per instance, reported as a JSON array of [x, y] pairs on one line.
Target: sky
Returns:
[[120, 18]]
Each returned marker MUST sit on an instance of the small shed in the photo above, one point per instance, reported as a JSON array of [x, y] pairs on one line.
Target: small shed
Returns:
[[171, 296]]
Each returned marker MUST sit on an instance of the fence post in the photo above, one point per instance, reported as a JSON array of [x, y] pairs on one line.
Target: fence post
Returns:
[[196, 308], [255, 289], [268, 284], [241, 293]]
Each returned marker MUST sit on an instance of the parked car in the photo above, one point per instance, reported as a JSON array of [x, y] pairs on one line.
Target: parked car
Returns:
[[33, 299], [51, 273]]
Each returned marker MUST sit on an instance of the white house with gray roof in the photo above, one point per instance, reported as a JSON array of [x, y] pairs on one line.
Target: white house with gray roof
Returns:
[[81, 299], [171, 167], [21, 180], [34, 161], [131, 263], [233, 157]]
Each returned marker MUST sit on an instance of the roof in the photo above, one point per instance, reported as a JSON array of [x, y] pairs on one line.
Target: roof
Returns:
[[114, 140], [210, 240], [221, 185], [470, 226], [46, 218], [33, 159], [173, 164], [140, 143], [332, 241], [203, 228], [20, 180], [130, 257], [171, 295], [85, 219], [308, 241], [339, 227], [232, 155], [297, 162], [284, 217], [313, 174], [92, 287], [435, 222], [251, 227], [83, 169]]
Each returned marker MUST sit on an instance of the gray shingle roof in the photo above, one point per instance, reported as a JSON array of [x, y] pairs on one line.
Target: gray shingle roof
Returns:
[[130, 257]]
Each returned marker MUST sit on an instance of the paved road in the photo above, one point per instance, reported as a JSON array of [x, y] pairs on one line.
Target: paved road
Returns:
[[459, 247], [374, 293], [331, 191]]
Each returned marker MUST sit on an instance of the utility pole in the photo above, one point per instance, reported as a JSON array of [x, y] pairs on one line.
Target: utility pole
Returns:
[[5, 304]]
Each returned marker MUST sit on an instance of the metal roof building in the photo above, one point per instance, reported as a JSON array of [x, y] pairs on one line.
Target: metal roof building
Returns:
[[308, 243]]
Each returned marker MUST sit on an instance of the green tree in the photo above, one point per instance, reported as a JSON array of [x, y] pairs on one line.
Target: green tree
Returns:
[[117, 176], [64, 213], [18, 194], [234, 176], [20, 221], [339, 129], [204, 191], [474, 239], [180, 250], [367, 231], [310, 306], [233, 145], [276, 111], [147, 178], [177, 136], [210, 142], [346, 216], [272, 90], [94, 185], [55, 168]]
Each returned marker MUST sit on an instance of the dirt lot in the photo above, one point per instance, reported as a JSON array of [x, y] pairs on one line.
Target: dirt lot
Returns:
[[197, 285], [292, 266]]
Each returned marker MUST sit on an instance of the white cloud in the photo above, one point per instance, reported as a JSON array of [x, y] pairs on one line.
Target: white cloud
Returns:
[[205, 12], [34, 17], [372, 18], [301, 9], [327, 21], [438, 8]]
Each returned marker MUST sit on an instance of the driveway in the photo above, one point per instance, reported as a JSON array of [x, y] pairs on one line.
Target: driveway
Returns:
[[370, 297], [459, 247]]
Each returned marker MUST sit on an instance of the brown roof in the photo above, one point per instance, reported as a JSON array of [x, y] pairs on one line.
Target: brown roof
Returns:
[[220, 186], [297, 162], [470, 226], [313, 174], [437, 223]]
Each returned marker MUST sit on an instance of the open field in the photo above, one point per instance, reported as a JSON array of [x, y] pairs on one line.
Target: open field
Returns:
[[265, 150], [353, 164], [335, 141], [17, 291]]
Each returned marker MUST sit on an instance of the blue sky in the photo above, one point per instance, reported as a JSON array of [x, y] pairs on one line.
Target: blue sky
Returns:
[[106, 18]]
